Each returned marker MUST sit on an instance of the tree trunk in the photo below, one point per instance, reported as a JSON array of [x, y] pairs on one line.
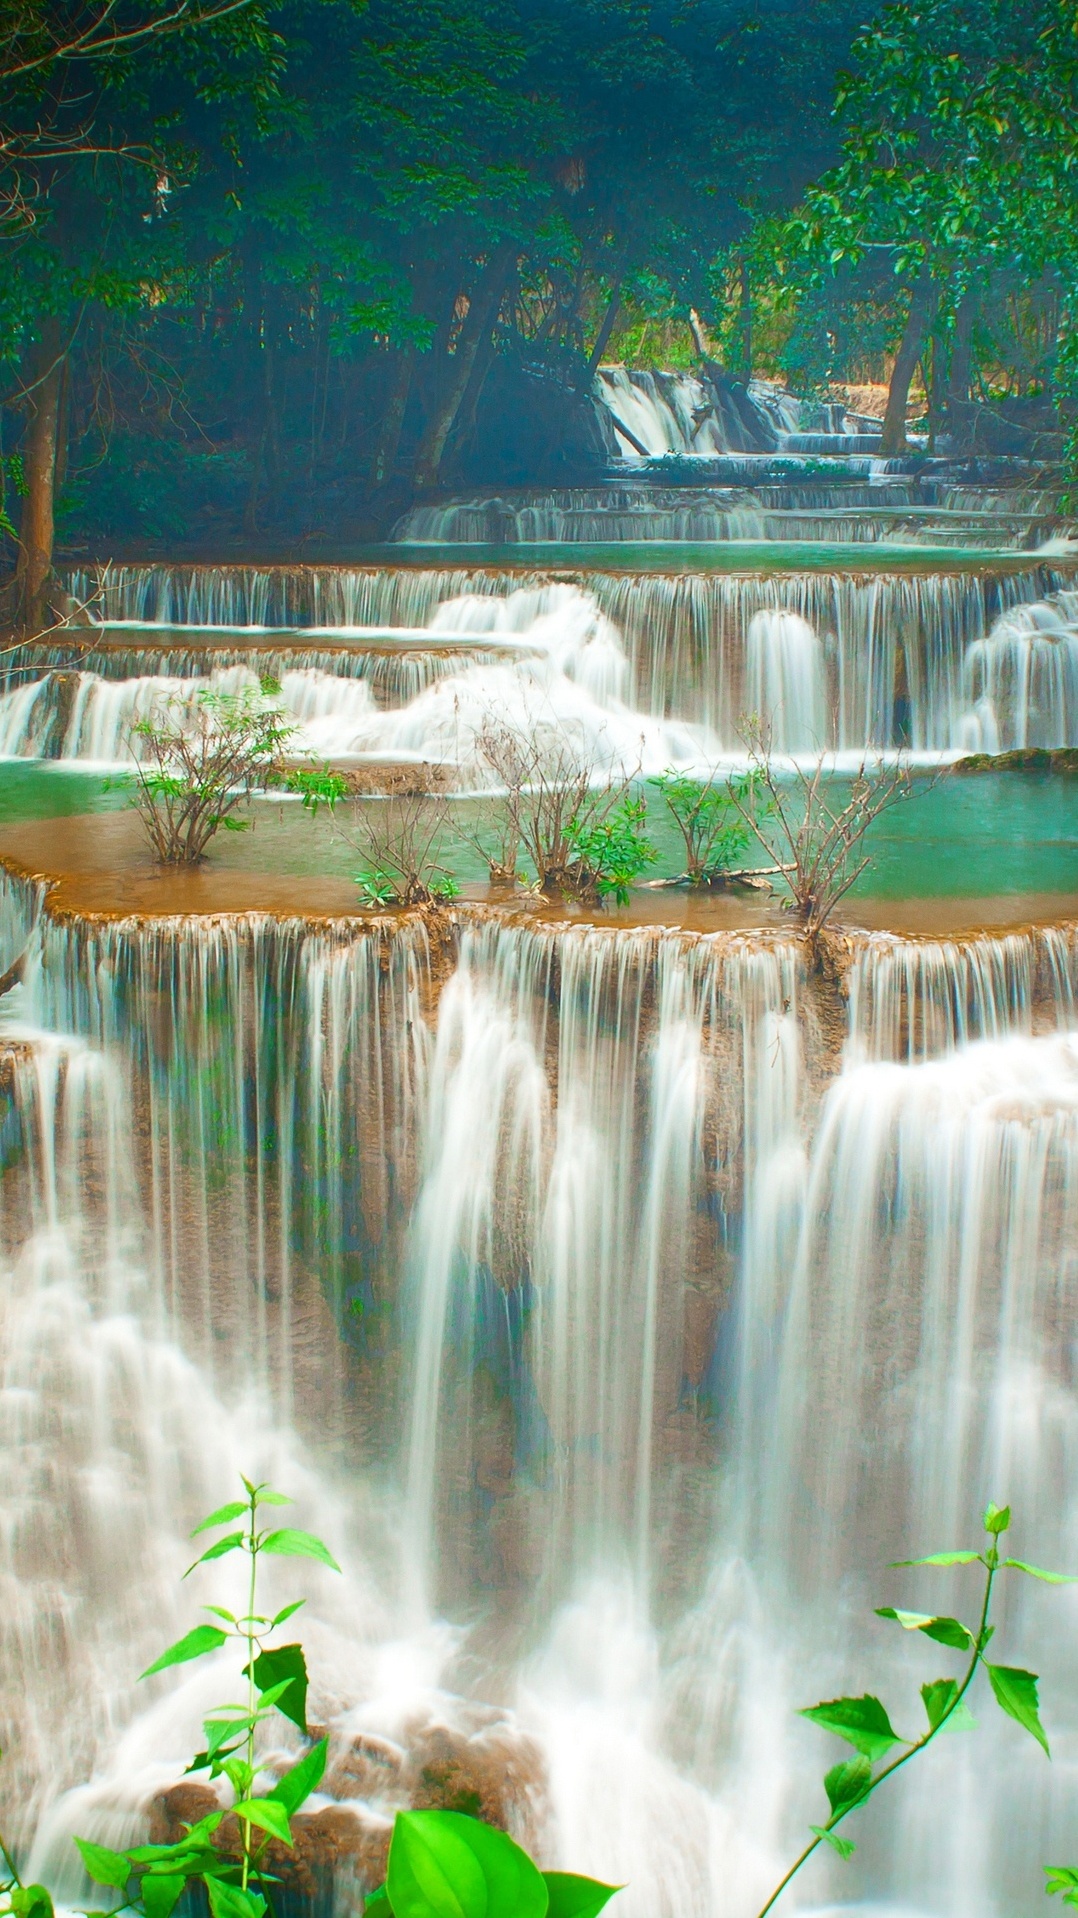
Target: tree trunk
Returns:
[[744, 323], [961, 367], [481, 315], [924, 302], [39, 465], [389, 433], [607, 327]]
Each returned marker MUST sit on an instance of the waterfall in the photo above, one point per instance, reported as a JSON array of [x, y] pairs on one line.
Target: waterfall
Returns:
[[895, 647], [786, 682], [851, 514], [1021, 681], [679, 413], [502, 1247]]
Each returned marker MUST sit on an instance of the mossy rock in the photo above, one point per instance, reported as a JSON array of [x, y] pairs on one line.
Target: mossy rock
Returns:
[[1033, 759]]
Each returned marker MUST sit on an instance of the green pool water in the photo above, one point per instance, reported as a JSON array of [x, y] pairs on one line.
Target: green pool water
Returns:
[[705, 556], [955, 837], [43, 789]]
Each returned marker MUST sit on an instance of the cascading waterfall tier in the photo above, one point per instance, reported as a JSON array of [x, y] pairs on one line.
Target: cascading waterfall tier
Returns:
[[536, 1224], [680, 413], [892, 659], [893, 511]]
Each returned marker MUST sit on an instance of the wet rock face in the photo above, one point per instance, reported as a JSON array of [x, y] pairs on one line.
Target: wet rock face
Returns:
[[491, 1771]]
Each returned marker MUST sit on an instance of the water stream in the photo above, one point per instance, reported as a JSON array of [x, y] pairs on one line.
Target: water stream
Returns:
[[540, 1226], [618, 1301]]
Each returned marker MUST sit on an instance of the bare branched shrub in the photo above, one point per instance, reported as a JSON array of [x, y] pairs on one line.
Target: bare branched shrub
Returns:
[[818, 847], [399, 839], [198, 764], [584, 839]]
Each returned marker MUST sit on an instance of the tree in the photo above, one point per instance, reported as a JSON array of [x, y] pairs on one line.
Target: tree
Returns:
[[955, 132], [90, 164]]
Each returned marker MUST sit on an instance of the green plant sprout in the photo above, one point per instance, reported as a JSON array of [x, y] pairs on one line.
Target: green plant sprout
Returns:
[[276, 1682], [864, 1723], [445, 1864]]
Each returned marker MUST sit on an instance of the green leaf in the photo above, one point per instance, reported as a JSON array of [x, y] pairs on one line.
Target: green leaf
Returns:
[[268, 1497], [1064, 1879], [945, 1631], [949, 1631], [848, 1784], [862, 1722], [939, 1558], [377, 1905], [1016, 1694], [515, 1886], [296, 1605], [228, 1901], [223, 1516], [302, 1779], [220, 1730], [232, 1542], [204, 1638], [31, 1901], [104, 1866], [845, 1847], [268, 1814], [1050, 1578], [284, 1665], [997, 1518], [571, 1896], [292, 1544], [432, 1872], [937, 1700], [160, 1893]]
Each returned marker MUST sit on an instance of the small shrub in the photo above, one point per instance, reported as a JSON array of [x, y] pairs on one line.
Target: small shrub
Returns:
[[584, 839], [707, 816], [818, 849], [612, 851], [399, 838], [198, 766]]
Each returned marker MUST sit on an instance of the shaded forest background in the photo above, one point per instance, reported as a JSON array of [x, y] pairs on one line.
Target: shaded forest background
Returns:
[[276, 269]]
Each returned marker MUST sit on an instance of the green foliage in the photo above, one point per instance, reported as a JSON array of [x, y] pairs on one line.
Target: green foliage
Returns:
[[445, 1864], [612, 851], [706, 814], [317, 786], [150, 1879], [865, 1724], [196, 767], [1062, 1879]]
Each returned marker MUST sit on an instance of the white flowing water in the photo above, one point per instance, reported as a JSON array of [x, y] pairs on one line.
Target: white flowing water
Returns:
[[407, 658], [679, 413], [1021, 681], [861, 515], [581, 1291]]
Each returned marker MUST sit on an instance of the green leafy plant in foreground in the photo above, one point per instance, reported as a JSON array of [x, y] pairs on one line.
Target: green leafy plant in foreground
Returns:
[[443, 1864], [864, 1722], [150, 1879]]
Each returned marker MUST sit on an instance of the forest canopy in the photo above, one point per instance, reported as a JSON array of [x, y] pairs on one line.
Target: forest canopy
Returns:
[[268, 266]]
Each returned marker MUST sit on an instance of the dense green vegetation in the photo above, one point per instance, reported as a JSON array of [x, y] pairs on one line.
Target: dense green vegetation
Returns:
[[270, 268]]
